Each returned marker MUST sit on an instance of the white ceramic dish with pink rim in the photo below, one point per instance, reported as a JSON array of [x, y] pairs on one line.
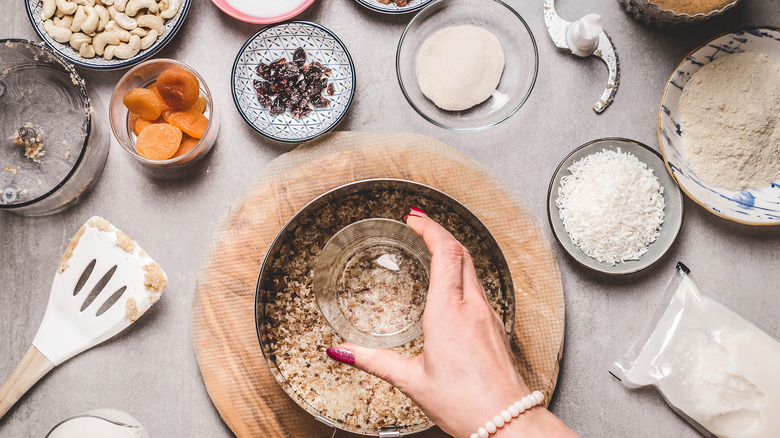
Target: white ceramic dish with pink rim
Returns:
[[262, 11]]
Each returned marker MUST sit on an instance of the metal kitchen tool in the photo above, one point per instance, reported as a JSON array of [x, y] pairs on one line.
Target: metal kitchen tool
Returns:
[[558, 29], [104, 282]]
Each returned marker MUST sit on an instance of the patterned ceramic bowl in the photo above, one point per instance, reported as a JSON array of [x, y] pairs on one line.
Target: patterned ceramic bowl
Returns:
[[649, 12], [392, 8], [280, 41], [172, 25], [753, 206]]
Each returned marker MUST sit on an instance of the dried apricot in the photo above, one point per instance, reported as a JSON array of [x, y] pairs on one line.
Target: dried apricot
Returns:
[[132, 120], [178, 87], [200, 105], [143, 102], [191, 122], [142, 124], [187, 144], [158, 141], [153, 87], [166, 115]]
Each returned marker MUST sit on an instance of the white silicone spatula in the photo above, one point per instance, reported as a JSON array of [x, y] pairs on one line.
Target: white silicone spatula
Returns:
[[104, 282]]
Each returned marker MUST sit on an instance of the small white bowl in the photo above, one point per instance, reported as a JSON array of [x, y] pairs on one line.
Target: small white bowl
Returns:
[[392, 8], [753, 206]]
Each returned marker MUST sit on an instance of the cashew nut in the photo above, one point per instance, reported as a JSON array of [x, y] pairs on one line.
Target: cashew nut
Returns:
[[102, 17], [133, 6], [77, 40], [60, 34], [112, 12], [149, 39], [85, 2], [171, 9], [66, 7], [107, 2], [102, 39], [87, 51], [125, 22], [124, 50], [65, 21], [49, 8], [90, 24], [78, 19], [151, 22], [115, 28], [140, 31], [120, 5]]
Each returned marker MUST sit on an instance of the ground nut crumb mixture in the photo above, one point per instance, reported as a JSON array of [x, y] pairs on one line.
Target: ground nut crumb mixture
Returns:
[[297, 335]]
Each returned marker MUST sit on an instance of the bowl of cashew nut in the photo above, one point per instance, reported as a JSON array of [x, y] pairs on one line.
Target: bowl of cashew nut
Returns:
[[106, 34]]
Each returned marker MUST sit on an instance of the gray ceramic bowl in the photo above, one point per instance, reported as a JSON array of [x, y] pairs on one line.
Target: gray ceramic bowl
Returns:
[[673, 206]]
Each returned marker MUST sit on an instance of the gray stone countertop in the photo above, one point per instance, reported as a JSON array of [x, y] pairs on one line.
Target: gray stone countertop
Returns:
[[150, 371]]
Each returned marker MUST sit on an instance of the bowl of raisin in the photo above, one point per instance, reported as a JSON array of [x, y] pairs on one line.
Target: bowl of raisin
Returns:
[[293, 82]]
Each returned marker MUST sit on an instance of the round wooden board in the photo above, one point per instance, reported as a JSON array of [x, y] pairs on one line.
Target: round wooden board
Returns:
[[223, 326]]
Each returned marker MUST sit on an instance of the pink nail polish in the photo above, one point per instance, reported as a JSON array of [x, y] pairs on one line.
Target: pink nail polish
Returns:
[[341, 355], [418, 210], [411, 214]]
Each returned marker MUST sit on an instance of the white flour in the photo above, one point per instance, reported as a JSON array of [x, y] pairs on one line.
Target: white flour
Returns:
[[729, 113], [459, 67]]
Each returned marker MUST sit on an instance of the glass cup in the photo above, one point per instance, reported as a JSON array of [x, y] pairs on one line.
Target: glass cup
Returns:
[[53, 134], [371, 281], [99, 423], [142, 76]]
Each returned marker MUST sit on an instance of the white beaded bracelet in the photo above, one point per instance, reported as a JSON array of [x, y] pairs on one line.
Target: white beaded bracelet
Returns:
[[507, 415]]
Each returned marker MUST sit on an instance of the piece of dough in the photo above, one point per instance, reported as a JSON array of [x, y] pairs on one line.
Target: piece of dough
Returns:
[[459, 67]]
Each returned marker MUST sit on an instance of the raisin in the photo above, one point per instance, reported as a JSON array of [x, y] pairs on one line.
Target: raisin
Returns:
[[293, 86], [299, 57], [321, 102]]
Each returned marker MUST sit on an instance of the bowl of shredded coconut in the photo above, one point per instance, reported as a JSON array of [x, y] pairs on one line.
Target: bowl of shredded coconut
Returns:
[[613, 207], [718, 126]]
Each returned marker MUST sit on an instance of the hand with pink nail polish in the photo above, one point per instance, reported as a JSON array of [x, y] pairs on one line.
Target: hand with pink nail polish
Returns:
[[466, 374]]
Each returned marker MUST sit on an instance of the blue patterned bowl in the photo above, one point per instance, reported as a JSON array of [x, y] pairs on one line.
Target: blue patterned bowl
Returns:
[[753, 206], [280, 41], [34, 12], [391, 7]]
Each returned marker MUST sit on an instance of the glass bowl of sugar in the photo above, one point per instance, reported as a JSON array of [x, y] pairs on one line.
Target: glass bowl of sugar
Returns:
[[467, 65], [371, 281]]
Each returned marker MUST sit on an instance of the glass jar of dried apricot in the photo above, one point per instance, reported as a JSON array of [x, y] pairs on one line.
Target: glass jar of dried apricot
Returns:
[[162, 113]]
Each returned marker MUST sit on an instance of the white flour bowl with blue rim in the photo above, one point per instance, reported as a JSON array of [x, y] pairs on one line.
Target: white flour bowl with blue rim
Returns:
[[752, 206]]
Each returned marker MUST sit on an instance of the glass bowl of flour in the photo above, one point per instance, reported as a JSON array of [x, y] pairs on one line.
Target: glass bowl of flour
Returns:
[[467, 65], [718, 126]]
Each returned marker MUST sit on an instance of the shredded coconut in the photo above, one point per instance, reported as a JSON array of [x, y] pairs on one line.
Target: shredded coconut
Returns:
[[611, 205], [729, 114]]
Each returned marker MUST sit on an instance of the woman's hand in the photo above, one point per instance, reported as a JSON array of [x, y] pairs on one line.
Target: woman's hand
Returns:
[[466, 374]]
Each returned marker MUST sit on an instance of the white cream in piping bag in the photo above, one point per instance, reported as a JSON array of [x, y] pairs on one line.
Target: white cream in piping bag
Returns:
[[583, 35]]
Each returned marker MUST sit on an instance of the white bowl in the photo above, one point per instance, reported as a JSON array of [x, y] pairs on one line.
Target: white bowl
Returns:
[[753, 206]]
